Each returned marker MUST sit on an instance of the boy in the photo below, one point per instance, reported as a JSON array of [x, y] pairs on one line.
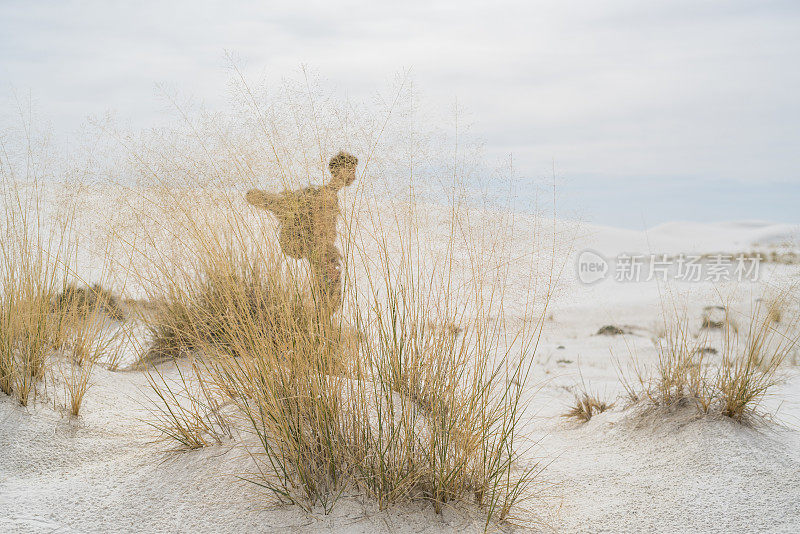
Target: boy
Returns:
[[307, 221]]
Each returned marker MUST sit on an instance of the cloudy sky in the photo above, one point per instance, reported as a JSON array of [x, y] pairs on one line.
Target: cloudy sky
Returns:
[[652, 110]]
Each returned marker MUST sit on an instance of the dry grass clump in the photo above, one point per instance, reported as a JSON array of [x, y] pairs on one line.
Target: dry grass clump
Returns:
[[586, 406], [186, 411], [27, 335], [44, 317], [731, 383], [717, 317], [454, 401], [76, 383], [373, 398], [408, 412], [210, 308], [88, 300], [745, 376], [33, 335], [33, 263], [84, 340]]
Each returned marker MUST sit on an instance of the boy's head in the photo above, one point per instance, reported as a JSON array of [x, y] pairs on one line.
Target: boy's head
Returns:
[[343, 169]]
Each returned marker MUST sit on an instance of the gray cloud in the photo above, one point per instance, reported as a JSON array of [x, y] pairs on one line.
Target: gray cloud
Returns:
[[623, 91]]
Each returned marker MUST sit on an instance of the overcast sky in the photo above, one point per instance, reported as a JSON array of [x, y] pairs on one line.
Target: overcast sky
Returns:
[[653, 110]]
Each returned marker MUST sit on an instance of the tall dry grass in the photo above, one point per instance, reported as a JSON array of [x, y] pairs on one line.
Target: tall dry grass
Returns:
[[392, 402], [85, 338], [42, 325], [33, 259], [415, 390]]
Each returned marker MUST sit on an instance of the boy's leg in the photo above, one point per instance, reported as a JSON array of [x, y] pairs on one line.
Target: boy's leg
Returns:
[[326, 270]]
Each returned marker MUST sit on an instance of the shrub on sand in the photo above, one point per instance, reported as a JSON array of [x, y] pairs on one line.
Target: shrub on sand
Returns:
[[210, 309], [89, 300], [731, 383], [371, 398], [586, 406], [407, 412]]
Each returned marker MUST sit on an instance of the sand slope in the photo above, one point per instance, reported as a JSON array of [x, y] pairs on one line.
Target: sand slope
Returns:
[[620, 472]]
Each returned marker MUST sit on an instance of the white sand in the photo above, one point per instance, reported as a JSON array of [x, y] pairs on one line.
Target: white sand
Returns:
[[620, 472]]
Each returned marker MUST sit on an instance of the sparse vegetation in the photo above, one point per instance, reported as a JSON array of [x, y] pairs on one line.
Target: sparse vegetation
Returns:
[[377, 397], [40, 325], [408, 412], [610, 330], [76, 383], [33, 264], [185, 410], [83, 341], [731, 382], [718, 317], [412, 390], [209, 309], [586, 406]]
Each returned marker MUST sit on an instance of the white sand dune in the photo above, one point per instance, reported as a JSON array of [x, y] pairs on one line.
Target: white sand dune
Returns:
[[693, 237], [620, 472]]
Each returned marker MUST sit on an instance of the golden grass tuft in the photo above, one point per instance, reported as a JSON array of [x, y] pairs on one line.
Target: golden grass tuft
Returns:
[[209, 310], [586, 406], [731, 383], [33, 264]]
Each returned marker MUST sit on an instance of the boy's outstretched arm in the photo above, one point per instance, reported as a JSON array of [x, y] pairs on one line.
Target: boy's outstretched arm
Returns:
[[262, 199]]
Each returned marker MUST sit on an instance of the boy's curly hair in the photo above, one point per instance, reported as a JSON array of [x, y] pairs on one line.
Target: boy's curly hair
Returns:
[[342, 160]]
